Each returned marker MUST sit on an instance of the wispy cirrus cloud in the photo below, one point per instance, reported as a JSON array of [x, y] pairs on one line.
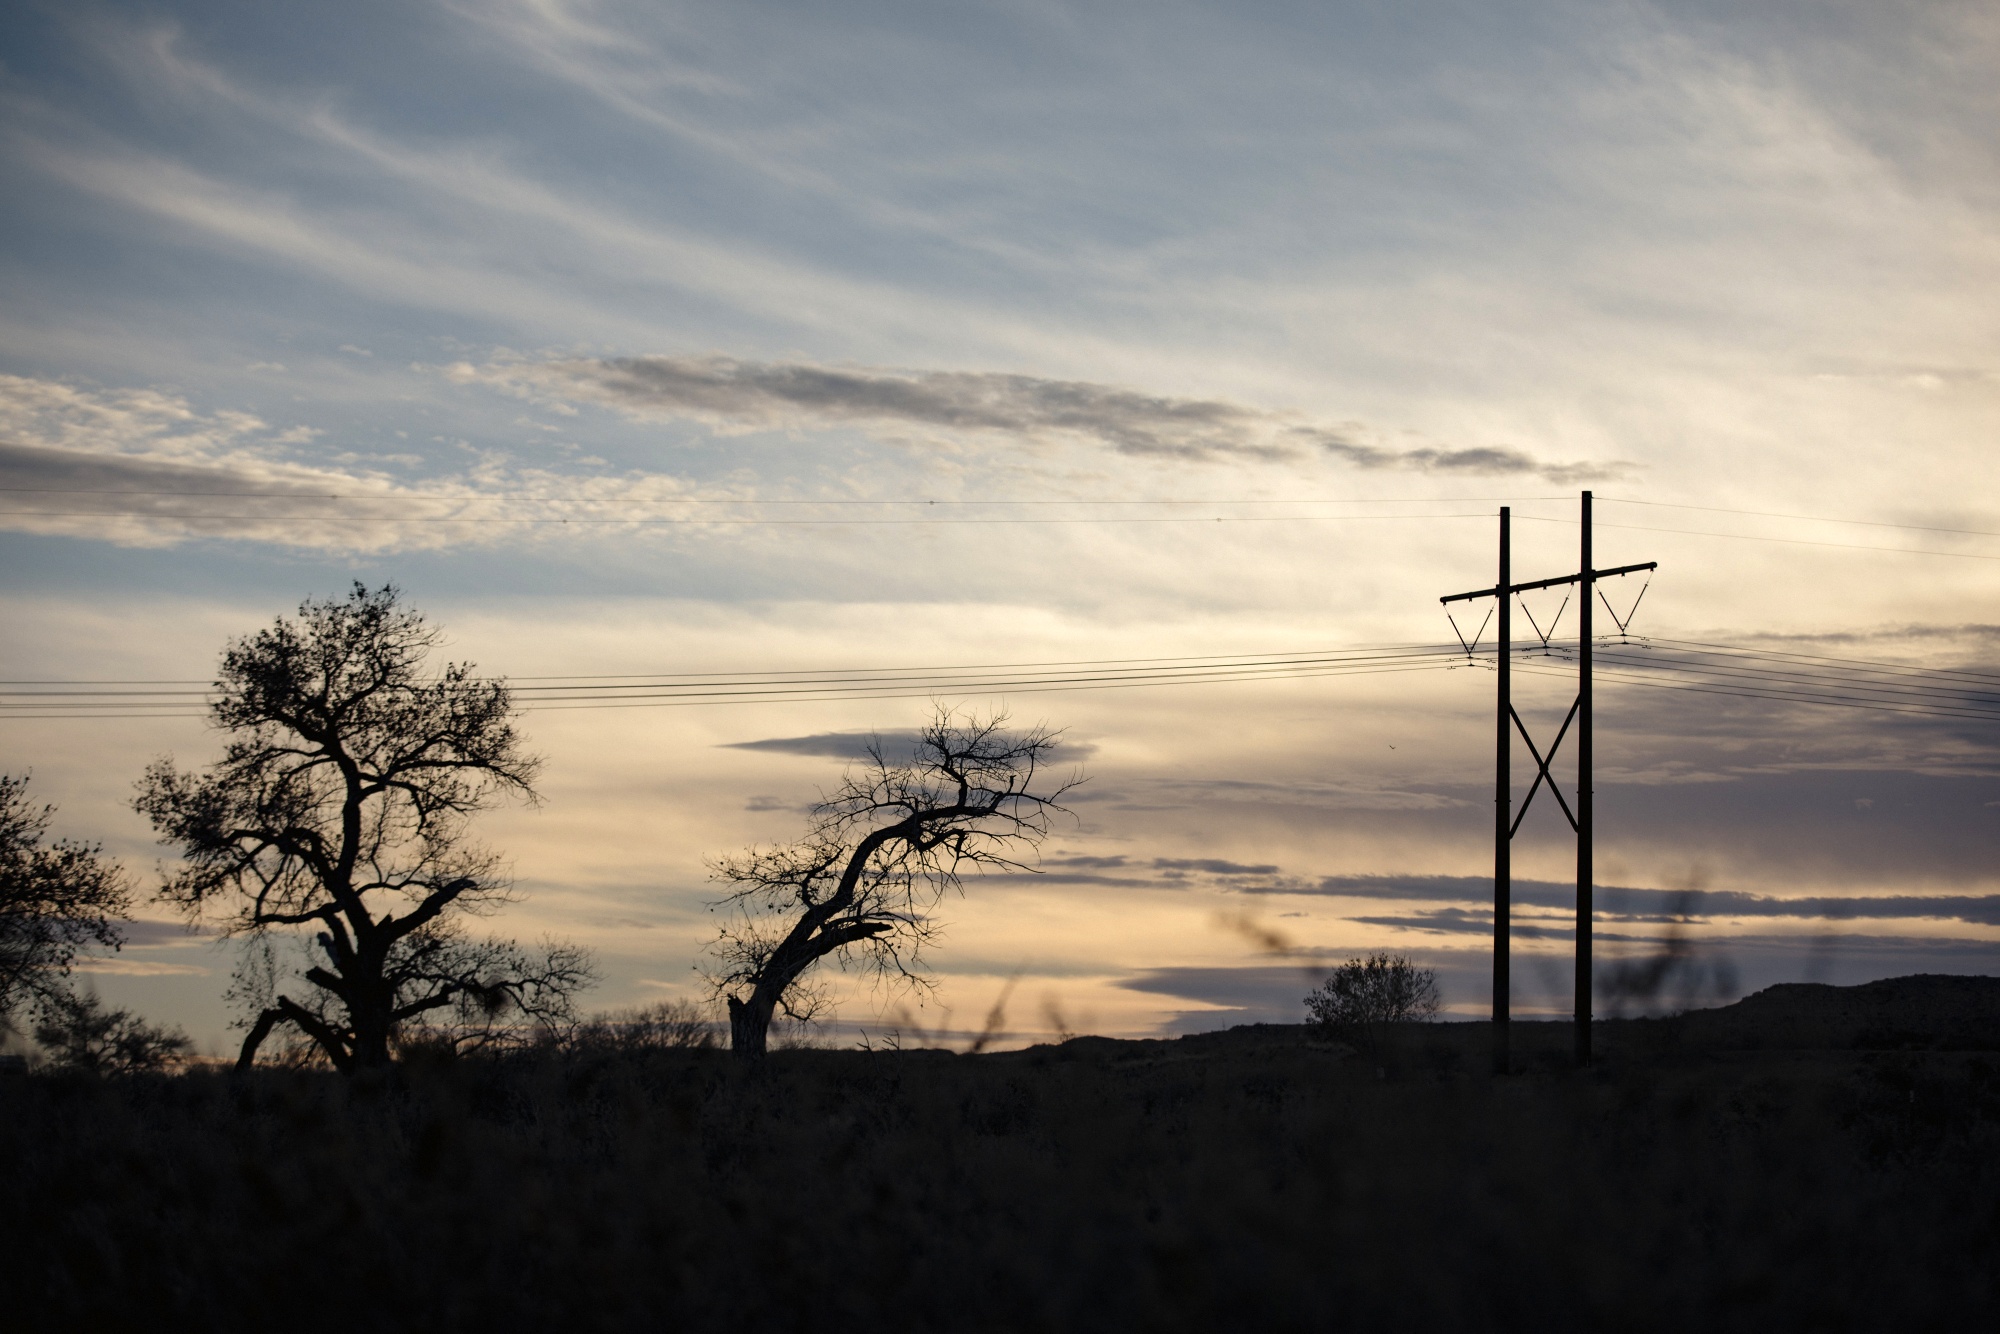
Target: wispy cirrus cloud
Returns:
[[147, 467], [734, 396]]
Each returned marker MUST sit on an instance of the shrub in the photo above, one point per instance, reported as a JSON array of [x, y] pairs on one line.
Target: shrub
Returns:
[[78, 1033], [675, 1025], [1362, 996]]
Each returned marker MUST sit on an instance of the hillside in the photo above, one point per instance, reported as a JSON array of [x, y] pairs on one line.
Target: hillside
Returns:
[[1929, 1010]]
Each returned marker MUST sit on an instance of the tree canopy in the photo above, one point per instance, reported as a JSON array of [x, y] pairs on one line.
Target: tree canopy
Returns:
[[54, 901], [339, 808]]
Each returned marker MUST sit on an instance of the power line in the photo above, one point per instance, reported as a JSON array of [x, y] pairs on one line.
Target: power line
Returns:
[[857, 673], [1810, 518], [1779, 654], [1858, 687], [1018, 689], [459, 496], [1780, 696], [585, 692], [1854, 695], [1754, 537], [961, 667], [713, 523], [1683, 665], [1783, 667], [1832, 682]]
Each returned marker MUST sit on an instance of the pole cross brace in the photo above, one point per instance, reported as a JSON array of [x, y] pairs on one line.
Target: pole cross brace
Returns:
[[1542, 774], [1550, 583]]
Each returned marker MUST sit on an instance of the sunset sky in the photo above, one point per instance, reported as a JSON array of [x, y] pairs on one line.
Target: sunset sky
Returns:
[[736, 290]]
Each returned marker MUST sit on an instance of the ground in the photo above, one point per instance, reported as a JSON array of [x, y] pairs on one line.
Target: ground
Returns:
[[1260, 1178]]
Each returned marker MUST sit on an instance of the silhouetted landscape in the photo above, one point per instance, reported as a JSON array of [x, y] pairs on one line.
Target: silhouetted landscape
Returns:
[[1028, 666], [1811, 1157]]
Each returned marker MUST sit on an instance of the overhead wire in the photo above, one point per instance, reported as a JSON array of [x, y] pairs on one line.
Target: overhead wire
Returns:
[[1807, 518], [1861, 687], [1848, 683], [1780, 676], [1709, 668], [84, 699], [733, 521], [1776, 695], [1783, 654], [459, 496], [1760, 537]]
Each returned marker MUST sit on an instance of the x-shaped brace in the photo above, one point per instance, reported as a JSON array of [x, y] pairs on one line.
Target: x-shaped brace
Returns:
[[1542, 774]]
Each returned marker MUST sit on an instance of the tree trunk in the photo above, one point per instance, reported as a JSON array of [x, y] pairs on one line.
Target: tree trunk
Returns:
[[750, 1024], [369, 1017], [246, 1059], [371, 1046]]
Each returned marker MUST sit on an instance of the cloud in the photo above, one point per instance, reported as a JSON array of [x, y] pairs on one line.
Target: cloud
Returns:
[[145, 467], [147, 931], [122, 967], [895, 743], [41, 480], [1624, 903], [1353, 795], [145, 500], [1213, 866], [739, 396], [1272, 992]]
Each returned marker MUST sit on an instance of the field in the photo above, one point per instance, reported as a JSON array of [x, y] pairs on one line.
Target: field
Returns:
[[1255, 1179]]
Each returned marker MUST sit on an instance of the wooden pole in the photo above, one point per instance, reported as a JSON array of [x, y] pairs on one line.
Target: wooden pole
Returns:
[[1503, 782], [1585, 870]]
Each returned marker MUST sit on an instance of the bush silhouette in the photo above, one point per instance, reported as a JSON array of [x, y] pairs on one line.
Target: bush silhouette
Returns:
[[78, 1033], [1362, 996]]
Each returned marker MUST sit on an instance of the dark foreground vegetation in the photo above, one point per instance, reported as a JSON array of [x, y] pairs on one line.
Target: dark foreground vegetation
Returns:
[[1256, 1179]]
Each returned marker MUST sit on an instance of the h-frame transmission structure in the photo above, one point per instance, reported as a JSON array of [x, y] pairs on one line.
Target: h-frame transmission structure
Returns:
[[1506, 819]]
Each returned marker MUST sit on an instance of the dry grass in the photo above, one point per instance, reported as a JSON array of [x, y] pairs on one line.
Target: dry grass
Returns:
[[1245, 1180]]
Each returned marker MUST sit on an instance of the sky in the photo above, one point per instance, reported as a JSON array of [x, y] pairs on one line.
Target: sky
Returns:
[[754, 337]]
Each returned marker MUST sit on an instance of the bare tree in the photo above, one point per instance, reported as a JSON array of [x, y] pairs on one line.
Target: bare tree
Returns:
[[339, 808], [877, 857], [54, 901]]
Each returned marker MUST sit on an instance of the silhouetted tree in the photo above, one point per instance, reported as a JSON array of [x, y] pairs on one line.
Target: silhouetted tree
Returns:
[[877, 856], [1362, 995], [78, 1033], [54, 901], [339, 807]]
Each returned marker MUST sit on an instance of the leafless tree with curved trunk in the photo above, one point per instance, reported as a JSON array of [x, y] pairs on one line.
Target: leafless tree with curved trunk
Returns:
[[877, 857], [339, 808]]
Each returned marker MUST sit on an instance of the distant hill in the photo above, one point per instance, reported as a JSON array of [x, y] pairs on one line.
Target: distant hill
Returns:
[[1931, 1010]]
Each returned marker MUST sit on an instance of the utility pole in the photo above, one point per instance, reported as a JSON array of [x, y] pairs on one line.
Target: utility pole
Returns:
[[1506, 817], [1586, 871], [1503, 801]]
